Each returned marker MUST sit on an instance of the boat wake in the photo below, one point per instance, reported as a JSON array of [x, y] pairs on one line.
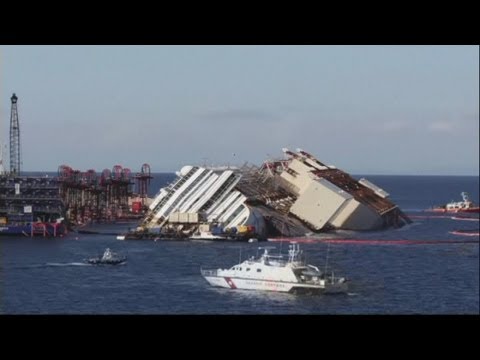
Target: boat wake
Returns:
[[429, 217], [465, 218], [374, 242], [46, 265], [474, 232], [67, 264]]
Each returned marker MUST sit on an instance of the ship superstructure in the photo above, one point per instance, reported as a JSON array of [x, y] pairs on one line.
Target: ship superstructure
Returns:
[[290, 197], [199, 195]]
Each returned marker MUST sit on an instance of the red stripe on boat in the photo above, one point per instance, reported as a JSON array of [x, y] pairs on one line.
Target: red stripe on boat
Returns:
[[230, 282]]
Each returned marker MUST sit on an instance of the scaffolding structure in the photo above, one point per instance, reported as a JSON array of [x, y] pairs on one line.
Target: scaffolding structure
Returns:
[[142, 181], [92, 197], [261, 186]]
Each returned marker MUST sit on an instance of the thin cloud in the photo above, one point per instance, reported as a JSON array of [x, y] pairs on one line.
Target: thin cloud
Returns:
[[440, 126], [473, 116], [395, 126], [241, 114]]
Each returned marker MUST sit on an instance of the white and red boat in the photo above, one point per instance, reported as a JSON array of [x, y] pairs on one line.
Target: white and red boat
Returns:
[[277, 273], [466, 206]]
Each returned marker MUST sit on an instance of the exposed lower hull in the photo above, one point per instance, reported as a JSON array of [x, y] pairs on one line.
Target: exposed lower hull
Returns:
[[277, 286]]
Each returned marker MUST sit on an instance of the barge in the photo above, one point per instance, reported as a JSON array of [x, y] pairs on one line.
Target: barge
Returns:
[[30, 206]]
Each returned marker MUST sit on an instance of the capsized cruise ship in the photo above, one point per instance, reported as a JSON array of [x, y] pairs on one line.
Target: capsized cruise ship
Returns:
[[291, 196]]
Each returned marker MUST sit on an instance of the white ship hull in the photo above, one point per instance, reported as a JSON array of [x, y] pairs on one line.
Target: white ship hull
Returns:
[[277, 286], [276, 273]]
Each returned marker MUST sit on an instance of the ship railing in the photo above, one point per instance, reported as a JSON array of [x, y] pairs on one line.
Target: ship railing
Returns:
[[384, 211], [209, 272]]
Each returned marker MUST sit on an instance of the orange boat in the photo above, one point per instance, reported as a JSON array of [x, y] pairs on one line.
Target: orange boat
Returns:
[[466, 206]]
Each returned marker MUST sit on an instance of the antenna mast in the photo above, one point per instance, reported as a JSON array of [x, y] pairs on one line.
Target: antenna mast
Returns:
[[14, 138]]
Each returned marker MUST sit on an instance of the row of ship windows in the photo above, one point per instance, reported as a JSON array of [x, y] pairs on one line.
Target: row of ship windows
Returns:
[[247, 269], [180, 181], [178, 184], [218, 193], [212, 199]]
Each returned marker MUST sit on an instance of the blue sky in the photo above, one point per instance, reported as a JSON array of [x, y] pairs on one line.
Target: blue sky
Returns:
[[366, 109]]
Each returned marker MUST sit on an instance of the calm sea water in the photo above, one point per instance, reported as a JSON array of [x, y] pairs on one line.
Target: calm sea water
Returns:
[[48, 276]]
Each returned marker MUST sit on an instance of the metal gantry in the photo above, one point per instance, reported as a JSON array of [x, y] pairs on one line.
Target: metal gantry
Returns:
[[91, 197], [142, 183], [14, 138]]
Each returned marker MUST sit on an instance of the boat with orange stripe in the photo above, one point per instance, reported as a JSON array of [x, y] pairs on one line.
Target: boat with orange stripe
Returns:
[[465, 206]]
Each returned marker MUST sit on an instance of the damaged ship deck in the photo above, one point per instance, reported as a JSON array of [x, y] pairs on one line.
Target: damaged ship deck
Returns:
[[292, 196]]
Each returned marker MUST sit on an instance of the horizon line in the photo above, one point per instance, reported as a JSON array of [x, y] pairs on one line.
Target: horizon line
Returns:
[[355, 174]]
